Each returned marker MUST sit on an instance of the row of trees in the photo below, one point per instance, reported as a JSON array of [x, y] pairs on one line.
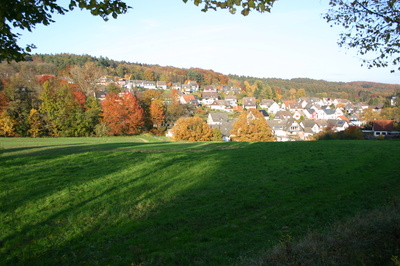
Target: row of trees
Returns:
[[56, 108], [83, 68], [47, 106]]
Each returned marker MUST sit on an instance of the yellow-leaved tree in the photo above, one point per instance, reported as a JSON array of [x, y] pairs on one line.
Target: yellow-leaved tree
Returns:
[[7, 124], [34, 123], [192, 129], [251, 126]]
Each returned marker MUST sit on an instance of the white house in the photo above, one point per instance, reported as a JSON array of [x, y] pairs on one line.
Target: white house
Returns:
[[270, 105], [220, 105], [161, 85], [249, 102]]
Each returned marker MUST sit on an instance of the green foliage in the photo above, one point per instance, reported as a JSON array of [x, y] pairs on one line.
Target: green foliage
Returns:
[[217, 135], [231, 5], [63, 115], [26, 15], [113, 88], [372, 27], [120, 201]]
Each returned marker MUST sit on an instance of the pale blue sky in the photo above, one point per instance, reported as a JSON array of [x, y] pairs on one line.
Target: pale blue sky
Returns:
[[290, 42]]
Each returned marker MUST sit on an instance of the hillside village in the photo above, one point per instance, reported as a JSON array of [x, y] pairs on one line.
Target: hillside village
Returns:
[[289, 120], [55, 95]]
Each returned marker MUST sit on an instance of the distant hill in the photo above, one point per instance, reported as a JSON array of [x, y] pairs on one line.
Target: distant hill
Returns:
[[355, 91]]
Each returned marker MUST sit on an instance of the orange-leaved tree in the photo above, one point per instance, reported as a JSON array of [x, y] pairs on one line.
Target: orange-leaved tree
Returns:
[[251, 126], [192, 129], [122, 115], [157, 113]]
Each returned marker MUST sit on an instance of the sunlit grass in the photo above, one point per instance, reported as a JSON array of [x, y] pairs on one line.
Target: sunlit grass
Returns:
[[124, 200]]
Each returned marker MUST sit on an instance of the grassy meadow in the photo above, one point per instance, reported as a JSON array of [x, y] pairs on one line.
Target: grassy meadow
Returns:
[[146, 201]]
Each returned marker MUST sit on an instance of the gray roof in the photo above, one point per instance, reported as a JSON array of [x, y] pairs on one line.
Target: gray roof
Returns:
[[308, 123], [225, 127], [223, 117], [329, 111], [249, 101]]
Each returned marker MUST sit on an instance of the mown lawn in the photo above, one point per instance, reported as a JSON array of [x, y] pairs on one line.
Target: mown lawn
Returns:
[[133, 200]]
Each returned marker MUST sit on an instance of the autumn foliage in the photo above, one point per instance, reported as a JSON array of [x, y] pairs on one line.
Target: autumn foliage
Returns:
[[251, 126], [122, 115], [192, 129], [157, 112]]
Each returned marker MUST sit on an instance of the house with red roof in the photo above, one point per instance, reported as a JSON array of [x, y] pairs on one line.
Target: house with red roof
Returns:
[[384, 128], [188, 99]]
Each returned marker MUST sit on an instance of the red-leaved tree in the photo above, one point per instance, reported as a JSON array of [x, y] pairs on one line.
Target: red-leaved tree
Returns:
[[122, 115]]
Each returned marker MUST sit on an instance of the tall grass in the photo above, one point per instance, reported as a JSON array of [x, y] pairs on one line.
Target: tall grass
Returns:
[[127, 201]]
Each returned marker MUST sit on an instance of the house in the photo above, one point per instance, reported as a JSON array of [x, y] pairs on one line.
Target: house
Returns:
[[354, 120], [176, 86], [311, 125], [217, 118], [283, 115], [188, 99], [220, 105], [340, 102], [322, 123], [232, 100], [193, 86], [295, 107], [210, 88], [186, 88], [327, 101], [349, 108], [299, 115], [337, 125], [343, 117], [285, 105], [304, 101], [310, 113], [137, 83], [249, 102], [326, 113], [162, 85], [270, 105], [294, 130], [209, 98], [104, 81], [225, 128], [377, 107], [384, 128], [278, 127], [394, 101], [151, 85]]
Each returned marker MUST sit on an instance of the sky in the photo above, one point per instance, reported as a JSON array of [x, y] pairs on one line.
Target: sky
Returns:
[[293, 41]]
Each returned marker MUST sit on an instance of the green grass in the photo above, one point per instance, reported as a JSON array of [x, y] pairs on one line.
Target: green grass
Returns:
[[127, 200]]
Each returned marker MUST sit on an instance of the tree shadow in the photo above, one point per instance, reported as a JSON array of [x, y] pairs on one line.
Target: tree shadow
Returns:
[[174, 206]]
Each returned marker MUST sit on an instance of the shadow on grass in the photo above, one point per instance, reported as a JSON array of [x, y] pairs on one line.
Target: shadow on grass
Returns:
[[182, 207]]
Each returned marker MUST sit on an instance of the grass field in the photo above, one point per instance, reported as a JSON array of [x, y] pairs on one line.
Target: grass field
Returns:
[[143, 200]]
